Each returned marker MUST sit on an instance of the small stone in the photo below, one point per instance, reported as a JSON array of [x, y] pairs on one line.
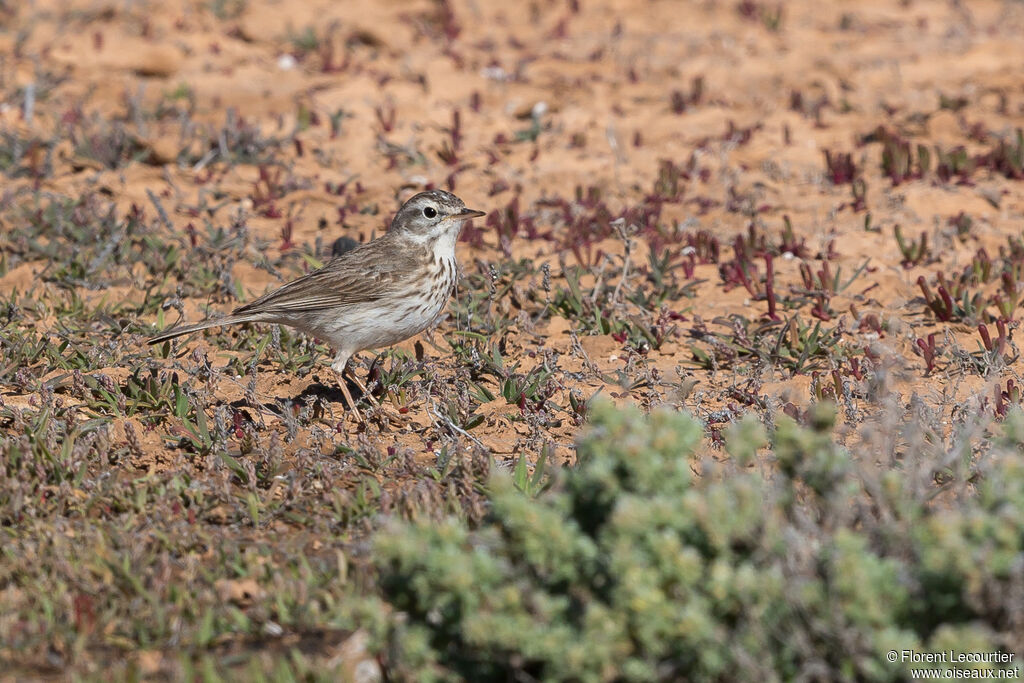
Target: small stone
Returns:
[[156, 60], [342, 245]]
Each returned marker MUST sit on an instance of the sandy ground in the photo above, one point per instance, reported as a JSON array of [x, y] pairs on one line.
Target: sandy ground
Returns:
[[549, 100]]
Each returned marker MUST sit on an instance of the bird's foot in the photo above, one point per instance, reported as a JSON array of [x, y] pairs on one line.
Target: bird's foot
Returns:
[[366, 392]]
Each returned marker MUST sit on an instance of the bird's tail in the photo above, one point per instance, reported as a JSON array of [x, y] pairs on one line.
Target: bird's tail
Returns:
[[206, 324]]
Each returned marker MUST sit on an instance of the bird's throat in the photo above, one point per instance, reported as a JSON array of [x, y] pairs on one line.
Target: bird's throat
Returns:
[[442, 246]]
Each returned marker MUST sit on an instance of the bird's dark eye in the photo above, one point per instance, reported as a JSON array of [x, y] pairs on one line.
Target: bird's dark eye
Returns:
[[430, 212]]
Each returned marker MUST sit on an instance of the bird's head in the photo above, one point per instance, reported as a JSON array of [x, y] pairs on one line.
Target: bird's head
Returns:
[[431, 215]]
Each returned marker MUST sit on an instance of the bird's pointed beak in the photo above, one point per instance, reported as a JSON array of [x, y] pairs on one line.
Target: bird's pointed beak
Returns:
[[466, 214]]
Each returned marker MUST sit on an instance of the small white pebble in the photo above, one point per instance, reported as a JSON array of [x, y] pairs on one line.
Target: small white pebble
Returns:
[[788, 255], [539, 109], [612, 358], [367, 670], [286, 62], [494, 73], [689, 250]]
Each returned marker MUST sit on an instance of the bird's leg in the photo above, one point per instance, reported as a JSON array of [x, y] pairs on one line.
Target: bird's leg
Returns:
[[339, 365], [373, 400], [362, 387], [348, 398]]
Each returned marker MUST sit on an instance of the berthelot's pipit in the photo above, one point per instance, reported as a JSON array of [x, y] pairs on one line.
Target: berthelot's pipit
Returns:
[[375, 295]]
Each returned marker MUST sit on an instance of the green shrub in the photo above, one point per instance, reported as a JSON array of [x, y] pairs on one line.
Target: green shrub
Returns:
[[634, 566]]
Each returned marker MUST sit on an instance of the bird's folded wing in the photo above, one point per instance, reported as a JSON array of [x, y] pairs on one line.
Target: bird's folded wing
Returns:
[[336, 284]]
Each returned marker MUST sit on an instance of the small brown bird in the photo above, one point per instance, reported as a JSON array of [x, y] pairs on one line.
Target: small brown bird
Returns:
[[375, 295]]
